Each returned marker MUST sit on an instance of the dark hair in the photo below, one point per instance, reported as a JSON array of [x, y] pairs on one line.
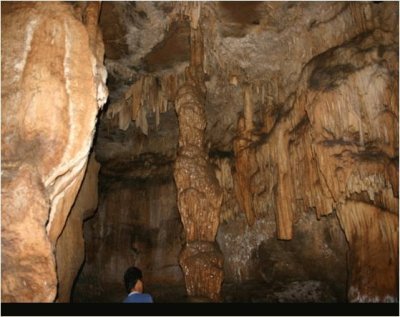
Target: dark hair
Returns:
[[132, 275]]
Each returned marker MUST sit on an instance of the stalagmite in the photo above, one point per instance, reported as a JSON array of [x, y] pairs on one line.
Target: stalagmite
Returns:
[[199, 194]]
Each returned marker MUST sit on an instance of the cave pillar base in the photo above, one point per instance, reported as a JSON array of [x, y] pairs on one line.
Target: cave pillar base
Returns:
[[202, 265]]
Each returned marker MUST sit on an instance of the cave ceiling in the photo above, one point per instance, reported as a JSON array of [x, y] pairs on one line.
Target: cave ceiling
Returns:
[[261, 45]]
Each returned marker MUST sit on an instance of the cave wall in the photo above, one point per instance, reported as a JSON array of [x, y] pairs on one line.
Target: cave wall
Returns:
[[70, 247], [53, 85], [327, 142], [335, 148], [137, 223], [312, 267]]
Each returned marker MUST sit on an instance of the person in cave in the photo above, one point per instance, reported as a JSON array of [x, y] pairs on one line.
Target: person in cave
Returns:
[[133, 279]]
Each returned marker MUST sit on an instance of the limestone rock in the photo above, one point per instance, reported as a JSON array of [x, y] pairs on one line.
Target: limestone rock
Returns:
[[51, 93]]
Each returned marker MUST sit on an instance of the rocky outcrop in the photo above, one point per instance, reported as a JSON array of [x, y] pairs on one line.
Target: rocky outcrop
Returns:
[[53, 86]]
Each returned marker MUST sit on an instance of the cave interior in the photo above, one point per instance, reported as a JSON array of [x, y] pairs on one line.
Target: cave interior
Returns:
[[234, 151]]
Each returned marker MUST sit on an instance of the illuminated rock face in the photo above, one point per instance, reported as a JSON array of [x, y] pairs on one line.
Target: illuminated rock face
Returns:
[[53, 85]]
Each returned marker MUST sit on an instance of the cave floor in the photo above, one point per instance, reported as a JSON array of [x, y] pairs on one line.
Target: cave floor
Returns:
[[306, 291], [310, 291]]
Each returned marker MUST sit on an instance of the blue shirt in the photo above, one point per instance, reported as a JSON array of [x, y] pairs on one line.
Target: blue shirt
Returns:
[[135, 297]]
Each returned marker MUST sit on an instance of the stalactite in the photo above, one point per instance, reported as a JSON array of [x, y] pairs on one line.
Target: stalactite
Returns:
[[136, 95], [150, 93], [191, 10], [248, 184], [248, 109], [199, 194], [284, 204], [124, 117], [244, 154], [141, 122], [224, 175], [269, 116]]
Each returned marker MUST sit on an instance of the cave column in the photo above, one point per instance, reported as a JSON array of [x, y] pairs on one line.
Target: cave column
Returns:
[[199, 194]]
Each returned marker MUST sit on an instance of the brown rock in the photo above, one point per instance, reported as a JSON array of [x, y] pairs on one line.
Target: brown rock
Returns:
[[28, 268], [51, 93]]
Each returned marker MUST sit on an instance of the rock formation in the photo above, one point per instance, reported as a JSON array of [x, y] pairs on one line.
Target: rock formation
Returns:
[[302, 120], [198, 192], [338, 139], [278, 122], [53, 85]]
